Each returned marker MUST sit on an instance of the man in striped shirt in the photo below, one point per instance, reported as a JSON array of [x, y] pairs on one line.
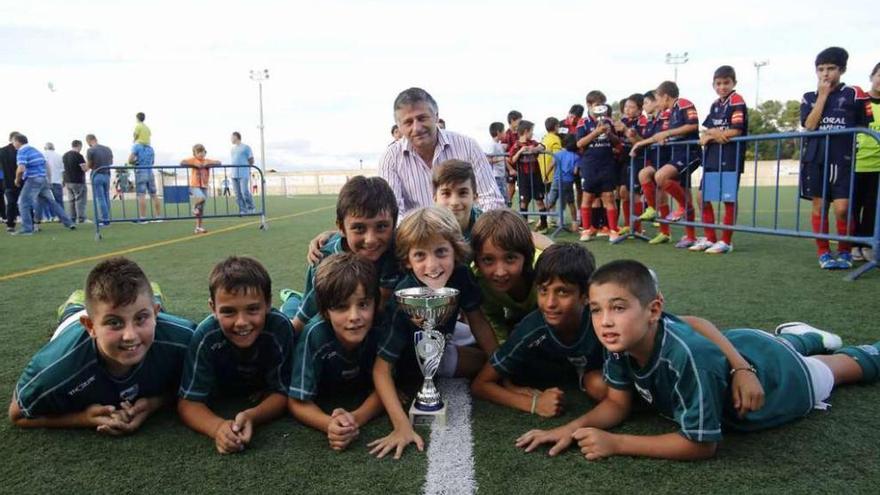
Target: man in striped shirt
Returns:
[[407, 163]]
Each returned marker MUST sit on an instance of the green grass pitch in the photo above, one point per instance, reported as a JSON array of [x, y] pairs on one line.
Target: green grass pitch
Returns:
[[765, 281]]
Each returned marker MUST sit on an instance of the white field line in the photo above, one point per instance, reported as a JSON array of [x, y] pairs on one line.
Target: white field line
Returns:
[[450, 451]]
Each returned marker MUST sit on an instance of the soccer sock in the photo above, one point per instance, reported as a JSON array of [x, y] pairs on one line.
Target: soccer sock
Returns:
[[729, 217], [664, 210], [626, 212], [709, 217], [822, 246], [867, 357], [586, 221], [806, 344], [637, 225], [650, 191], [689, 230], [843, 246], [676, 191], [611, 214]]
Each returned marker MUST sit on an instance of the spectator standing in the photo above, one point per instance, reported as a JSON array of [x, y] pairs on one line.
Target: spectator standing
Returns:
[[11, 190], [242, 156], [75, 181], [99, 156], [55, 172], [143, 158], [31, 172]]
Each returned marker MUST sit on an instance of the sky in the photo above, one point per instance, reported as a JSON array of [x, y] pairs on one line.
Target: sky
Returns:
[[336, 66]]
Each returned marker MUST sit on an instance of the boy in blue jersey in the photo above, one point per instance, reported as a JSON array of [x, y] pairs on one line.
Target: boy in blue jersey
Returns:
[[336, 352], [565, 163], [728, 118], [676, 162], [684, 376], [455, 188], [599, 172], [366, 213], [243, 349], [833, 105], [111, 365]]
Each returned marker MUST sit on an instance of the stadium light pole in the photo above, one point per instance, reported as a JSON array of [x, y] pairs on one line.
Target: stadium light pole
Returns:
[[676, 59], [259, 76], [758, 64]]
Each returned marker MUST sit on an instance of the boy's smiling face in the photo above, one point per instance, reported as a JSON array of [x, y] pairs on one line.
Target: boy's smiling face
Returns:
[[502, 268], [620, 321], [433, 262], [352, 319], [561, 303], [123, 334], [723, 86], [458, 198], [242, 315], [368, 237]]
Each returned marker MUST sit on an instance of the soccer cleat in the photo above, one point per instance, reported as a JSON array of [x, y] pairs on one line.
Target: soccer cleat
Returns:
[[831, 341], [604, 232], [844, 261], [702, 244], [542, 229], [23, 232], [856, 253], [286, 294], [158, 297], [685, 243], [200, 230], [72, 226], [77, 297], [588, 235], [648, 214], [868, 254], [613, 236], [623, 230], [660, 238], [720, 247], [827, 262], [10, 229], [676, 215]]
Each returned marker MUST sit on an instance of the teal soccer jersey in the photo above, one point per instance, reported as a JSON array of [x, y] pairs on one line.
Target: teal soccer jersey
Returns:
[[475, 214], [397, 334], [687, 380], [67, 374], [214, 366], [386, 267], [322, 364], [534, 341]]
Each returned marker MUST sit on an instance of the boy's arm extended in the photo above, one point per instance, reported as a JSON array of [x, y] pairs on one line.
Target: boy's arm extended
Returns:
[[610, 412], [403, 433], [718, 135], [482, 331], [90, 417], [487, 386], [597, 444], [662, 136], [748, 394]]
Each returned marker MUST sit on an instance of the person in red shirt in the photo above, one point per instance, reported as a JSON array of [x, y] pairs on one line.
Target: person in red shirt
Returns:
[[524, 157]]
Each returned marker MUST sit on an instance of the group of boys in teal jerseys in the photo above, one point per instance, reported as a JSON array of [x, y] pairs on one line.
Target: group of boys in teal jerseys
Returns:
[[530, 321]]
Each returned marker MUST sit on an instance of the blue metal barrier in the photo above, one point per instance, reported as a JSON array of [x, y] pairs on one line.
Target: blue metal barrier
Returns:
[[559, 212], [173, 186], [725, 188]]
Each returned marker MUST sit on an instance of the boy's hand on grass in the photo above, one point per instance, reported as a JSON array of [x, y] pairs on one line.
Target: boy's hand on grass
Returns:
[[550, 402], [748, 394], [243, 426], [343, 429], [595, 443], [560, 437], [226, 440], [396, 441]]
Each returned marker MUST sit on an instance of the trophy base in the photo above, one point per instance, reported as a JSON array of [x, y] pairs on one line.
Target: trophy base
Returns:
[[418, 417]]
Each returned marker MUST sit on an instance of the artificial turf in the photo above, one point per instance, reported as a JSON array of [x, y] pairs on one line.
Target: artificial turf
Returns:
[[765, 281]]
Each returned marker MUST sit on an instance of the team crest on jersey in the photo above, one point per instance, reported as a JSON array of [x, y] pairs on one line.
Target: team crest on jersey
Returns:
[[537, 341], [130, 394], [351, 373], [578, 362], [645, 393]]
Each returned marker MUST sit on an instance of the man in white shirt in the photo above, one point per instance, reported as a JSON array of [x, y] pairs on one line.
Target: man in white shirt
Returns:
[[55, 173]]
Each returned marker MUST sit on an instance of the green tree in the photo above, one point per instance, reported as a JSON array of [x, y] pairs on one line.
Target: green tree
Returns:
[[771, 117]]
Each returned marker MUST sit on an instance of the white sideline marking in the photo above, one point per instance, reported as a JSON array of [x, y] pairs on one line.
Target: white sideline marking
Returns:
[[450, 451]]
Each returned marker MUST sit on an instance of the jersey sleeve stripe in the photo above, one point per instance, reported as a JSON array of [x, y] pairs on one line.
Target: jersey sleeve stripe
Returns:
[[693, 367]]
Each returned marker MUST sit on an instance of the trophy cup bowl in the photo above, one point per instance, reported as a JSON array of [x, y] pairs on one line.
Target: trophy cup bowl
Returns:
[[429, 308]]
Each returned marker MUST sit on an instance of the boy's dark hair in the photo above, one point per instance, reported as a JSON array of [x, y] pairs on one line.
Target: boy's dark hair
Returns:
[[551, 124], [667, 88], [454, 172], [650, 95], [339, 276], [116, 281], [513, 115], [365, 197], [833, 55], [620, 105], [577, 110], [566, 261], [725, 72], [237, 135], [524, 127], [637, 98], [570, 143], [12, 134], [496, 128], [633, 276], [20, 138], [393, 128], [91, 137], [75, 143], [508, 231], [876, 69], [596, 96], [240, 275], [411, 96], [140, 116]]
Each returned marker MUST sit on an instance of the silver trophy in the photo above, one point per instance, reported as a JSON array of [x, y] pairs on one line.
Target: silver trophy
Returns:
[[428, 308]]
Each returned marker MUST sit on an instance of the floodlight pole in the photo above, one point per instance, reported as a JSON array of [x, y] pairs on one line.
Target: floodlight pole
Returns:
[[259, 76], [676, 59], [758, 65]]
